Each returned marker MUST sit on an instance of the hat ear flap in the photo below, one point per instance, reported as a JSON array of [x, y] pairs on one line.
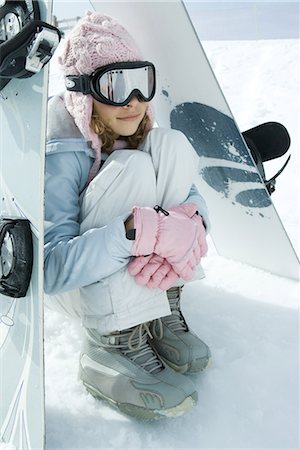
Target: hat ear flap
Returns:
[[150, 114], [80, 106]]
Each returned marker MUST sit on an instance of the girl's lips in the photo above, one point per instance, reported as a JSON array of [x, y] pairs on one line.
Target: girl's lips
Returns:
[[129, 118]]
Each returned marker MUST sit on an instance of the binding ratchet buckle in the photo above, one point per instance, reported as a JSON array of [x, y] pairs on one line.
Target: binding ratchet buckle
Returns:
[[41, 50]]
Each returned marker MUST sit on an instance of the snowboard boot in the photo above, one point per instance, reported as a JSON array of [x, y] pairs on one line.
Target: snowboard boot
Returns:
[[123, 369], [175, 343]]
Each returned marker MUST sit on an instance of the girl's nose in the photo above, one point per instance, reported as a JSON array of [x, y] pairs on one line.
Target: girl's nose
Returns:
[[133, 101]]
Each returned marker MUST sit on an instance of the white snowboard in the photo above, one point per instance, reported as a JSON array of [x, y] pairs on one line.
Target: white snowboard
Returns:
[[23, 106], [245, 225]]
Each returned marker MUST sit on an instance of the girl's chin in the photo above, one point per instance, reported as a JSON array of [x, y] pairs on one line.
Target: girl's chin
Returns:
[[127, 131]]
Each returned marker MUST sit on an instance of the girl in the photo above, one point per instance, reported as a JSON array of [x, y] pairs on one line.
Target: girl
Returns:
[[124, 225]]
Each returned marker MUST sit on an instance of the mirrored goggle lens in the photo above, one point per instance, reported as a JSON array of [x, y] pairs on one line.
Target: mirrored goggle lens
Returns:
[[116, 85]]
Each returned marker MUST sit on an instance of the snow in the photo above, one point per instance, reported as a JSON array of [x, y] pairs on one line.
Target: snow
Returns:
[[249, 398]]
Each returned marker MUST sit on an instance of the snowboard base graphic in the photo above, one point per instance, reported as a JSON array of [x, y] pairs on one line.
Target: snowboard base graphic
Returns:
[[23, 107], [245, 225], [21, 319]]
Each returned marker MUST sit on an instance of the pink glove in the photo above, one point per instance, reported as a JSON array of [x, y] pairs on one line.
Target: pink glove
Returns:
[[171, 235], [152, 271], [185, 209]]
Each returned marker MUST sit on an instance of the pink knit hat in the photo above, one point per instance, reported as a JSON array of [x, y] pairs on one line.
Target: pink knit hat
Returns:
[[96, 40]]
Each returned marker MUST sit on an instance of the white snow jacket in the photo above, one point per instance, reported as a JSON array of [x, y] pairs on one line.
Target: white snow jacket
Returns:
[[71, 260]]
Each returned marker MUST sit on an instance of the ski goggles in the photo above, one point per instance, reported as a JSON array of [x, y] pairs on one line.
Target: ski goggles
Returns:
[[116, 84]]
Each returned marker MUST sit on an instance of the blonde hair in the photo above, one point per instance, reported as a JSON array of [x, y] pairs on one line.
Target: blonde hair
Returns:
[[108, 137]]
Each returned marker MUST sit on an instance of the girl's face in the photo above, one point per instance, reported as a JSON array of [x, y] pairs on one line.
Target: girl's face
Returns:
[[123, 120]]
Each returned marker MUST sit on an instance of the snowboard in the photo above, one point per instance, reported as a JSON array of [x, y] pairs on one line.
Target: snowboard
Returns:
[[23, 105], [245, 224]]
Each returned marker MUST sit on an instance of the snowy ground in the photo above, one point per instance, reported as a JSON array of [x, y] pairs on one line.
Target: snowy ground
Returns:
[[249, 398]]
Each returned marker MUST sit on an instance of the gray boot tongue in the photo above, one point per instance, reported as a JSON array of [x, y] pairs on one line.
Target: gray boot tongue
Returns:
[[176, 320]]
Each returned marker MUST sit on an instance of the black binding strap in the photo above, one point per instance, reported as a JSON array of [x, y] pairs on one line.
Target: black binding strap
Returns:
[[16, 257], [15, 53]]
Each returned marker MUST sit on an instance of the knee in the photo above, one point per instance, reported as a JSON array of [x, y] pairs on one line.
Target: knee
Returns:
[[138, 160], [139, 167], [134, 164], [171, 144]]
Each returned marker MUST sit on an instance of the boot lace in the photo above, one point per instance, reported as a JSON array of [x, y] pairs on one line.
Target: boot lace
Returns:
[[134, 344]]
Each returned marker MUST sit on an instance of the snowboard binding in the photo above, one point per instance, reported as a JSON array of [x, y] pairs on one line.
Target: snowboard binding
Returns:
[[268, 141], [26, 43], [16, 257]]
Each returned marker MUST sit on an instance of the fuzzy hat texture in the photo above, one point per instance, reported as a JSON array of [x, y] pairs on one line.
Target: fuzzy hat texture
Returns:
[[96, 40]]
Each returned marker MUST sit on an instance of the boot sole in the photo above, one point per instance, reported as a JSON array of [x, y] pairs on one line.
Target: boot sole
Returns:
[[142, 413]]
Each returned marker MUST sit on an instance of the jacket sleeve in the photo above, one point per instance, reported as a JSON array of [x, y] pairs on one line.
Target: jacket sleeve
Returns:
[[70, 260], [195, 197]]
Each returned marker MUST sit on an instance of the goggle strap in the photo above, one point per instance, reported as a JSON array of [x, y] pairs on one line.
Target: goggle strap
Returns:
[[79, 83]]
